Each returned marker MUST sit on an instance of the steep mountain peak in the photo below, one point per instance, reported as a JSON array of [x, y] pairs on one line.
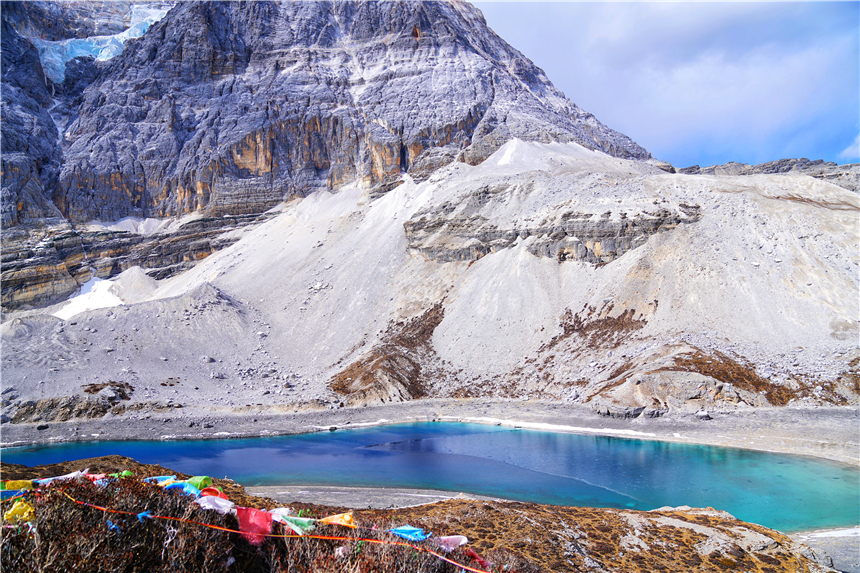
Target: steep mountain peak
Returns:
[[233, 106]]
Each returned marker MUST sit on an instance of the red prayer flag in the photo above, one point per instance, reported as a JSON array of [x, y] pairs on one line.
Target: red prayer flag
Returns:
[[254, 524], [481, 561], [213, 491]]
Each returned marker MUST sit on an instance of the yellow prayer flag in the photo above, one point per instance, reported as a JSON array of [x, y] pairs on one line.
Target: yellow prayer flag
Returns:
[[344, 519], [20, 511], [18, 484]]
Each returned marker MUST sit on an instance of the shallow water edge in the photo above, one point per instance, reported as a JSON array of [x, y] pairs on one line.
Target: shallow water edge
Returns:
[[831, 433]]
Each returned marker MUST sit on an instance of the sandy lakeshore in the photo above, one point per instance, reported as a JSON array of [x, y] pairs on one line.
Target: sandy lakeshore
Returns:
[[826, 432]]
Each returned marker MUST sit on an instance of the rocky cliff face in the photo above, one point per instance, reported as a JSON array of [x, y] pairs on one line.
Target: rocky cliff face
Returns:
[[230, 108], [235, 106], [31, 152], [56, 21]]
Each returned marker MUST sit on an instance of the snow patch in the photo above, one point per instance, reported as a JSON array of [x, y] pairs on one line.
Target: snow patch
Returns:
[[94, 294], [130, 286]]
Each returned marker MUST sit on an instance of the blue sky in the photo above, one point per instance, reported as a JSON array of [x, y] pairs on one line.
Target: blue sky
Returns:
[[703, 82]]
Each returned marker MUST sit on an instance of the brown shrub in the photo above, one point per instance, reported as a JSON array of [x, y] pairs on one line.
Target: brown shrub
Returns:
[[725, 369]]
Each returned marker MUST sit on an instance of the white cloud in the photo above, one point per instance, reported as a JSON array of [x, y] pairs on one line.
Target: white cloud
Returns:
[[702, 82], [852, 152], [715, 98]]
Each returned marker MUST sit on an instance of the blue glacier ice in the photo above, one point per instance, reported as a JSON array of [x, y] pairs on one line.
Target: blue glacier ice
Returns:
[[54, 55]]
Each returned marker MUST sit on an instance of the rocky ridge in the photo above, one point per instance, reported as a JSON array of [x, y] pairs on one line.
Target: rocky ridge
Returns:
[[845, 176], [338, 300]]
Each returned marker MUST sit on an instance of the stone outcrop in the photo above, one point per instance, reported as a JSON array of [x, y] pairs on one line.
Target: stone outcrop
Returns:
[[28, 136], [46, 265], [392, 370], [238, 105], [459, 232]]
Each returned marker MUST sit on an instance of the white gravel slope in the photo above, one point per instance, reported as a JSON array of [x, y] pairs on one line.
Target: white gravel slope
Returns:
[[769, 273]]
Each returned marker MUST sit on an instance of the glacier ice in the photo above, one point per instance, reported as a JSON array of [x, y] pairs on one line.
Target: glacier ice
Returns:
[[54, 55]]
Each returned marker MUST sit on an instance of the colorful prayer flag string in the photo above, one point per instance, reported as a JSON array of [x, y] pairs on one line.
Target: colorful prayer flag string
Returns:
[[147, 514]]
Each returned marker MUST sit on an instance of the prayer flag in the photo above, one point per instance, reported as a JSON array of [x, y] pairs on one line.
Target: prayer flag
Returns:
[[344, 519], [254, 524]]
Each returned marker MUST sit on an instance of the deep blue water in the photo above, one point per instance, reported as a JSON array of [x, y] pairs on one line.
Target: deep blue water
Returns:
[[789, 493]]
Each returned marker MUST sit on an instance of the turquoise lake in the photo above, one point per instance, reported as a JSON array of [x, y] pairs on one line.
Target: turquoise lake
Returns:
[[789, 493]]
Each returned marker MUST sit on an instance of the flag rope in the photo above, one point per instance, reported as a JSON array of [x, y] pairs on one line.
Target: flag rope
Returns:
[[146, 514]]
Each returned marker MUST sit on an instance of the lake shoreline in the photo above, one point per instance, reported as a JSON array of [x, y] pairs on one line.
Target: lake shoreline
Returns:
[[825, 433], [831, 433], [369, 497]]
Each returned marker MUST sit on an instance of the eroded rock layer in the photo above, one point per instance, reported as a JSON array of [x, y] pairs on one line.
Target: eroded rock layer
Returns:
[[44, 265]]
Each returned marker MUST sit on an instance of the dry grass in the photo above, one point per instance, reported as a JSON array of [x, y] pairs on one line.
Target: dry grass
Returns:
[[596, 331], [123, 390], [742, 375], [833, 205], [67, 536], [575, 539], [851, 378], [728, 370], [514, 537]]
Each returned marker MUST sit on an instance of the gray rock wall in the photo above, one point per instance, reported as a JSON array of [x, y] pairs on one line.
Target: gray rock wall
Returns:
[[44, 266], [247, 103], [459, 232], [28, 137], [62, 20]]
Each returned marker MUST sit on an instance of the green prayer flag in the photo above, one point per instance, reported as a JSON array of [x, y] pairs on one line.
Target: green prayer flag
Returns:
[[200, 482], [301, 525]]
